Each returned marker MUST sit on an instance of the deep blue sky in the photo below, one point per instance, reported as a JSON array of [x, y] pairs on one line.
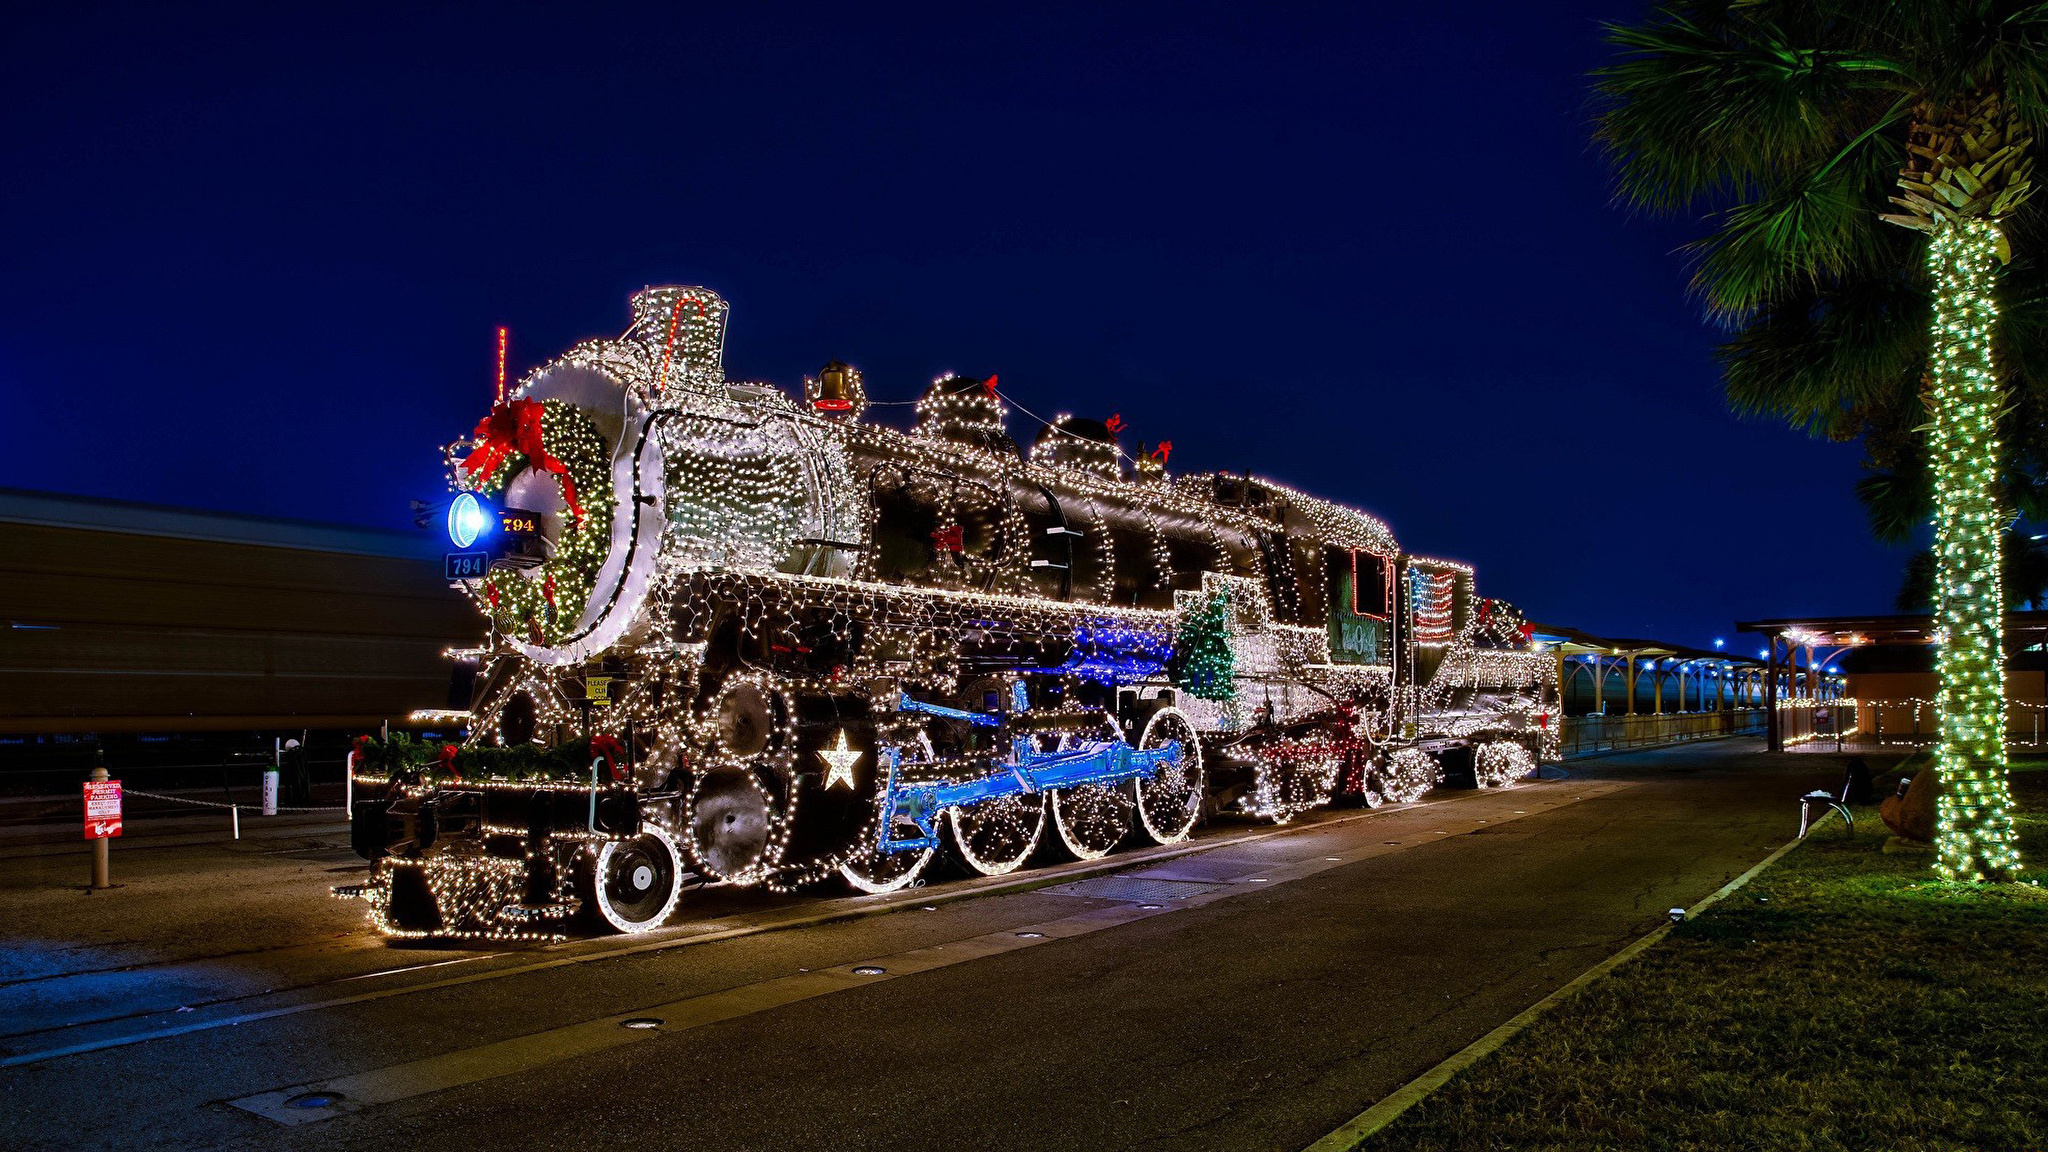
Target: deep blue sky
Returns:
[[254, 258]]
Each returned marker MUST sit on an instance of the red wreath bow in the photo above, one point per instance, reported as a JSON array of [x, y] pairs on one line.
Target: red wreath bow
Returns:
[[612, 752], [448, 762], [511, 427]]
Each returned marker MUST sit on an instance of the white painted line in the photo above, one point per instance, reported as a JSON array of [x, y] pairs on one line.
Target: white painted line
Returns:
[[417, 967], [1354, 1131], [535, 1050]]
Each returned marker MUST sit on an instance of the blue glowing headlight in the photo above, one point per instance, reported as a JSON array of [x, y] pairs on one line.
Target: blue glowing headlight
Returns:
[[467, 520]]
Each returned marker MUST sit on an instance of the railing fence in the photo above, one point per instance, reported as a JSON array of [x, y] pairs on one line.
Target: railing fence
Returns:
[[1855, 724], [1583, 735]]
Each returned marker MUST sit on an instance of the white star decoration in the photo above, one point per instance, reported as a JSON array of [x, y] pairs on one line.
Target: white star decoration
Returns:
[[841, 759]]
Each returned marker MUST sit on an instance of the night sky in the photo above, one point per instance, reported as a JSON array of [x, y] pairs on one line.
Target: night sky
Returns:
[[254, 260]]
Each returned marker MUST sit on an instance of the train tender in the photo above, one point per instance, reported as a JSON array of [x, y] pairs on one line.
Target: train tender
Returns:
[[739, 637]]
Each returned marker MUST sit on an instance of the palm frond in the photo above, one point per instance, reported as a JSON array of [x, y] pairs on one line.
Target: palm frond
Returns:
[[1704, 102], [1825, 359], [1809, 228], [1898, 503]]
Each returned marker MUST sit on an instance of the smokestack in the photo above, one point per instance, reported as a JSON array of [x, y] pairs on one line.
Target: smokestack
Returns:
[[684, 329]]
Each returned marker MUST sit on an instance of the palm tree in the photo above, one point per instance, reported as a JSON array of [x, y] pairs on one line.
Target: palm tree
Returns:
[[1800, 126]]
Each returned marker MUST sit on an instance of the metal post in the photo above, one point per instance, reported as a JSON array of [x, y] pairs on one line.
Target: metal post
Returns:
[[1562, 684], [1774, 735], [235, 819], [270, 776], [100, 867], [348, 783]]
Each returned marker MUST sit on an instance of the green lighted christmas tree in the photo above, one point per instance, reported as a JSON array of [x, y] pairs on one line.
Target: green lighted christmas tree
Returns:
[[1204, 665]]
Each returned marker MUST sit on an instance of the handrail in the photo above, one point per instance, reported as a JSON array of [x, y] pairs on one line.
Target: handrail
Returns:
[[1596, 732]]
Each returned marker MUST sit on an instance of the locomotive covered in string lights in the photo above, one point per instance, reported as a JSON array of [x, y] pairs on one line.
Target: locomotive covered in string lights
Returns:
[[745, 638]]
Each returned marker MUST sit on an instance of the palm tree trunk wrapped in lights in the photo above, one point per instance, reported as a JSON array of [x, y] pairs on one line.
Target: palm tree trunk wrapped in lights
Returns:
[[1790, 122], [1975, 832], [1962, 177]]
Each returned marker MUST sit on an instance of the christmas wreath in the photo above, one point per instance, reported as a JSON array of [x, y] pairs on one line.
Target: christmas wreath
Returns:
[[543, 604]]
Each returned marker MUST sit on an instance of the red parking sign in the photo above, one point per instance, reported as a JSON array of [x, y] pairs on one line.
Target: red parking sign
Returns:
[[102, 809]]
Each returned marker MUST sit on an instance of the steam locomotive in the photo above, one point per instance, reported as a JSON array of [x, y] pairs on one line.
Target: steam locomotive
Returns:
[[795, 645]]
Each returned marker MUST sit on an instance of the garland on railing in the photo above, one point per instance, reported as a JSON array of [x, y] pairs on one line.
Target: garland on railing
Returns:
[[425, 762]]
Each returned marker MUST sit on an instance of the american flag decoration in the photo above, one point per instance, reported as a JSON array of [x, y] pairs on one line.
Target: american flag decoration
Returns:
[[1432, 600]]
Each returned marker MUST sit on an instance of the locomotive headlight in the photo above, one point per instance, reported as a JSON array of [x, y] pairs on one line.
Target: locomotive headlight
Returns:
[[467, 519]]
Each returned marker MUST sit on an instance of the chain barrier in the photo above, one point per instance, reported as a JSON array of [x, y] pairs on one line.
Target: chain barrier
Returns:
[[220, 804]]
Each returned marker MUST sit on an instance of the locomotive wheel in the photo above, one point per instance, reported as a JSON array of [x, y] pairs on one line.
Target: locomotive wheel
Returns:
[[869, 870], [1370, 795], [747, 718], [1500, 763], [995, 837], [1170, 799], [1092, 819], [1301, 784], [875, 872], [733, 827], [1408, 774], [636, 883]]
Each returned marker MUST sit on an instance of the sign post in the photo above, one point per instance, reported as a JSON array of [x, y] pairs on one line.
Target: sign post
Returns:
[[102, 821]]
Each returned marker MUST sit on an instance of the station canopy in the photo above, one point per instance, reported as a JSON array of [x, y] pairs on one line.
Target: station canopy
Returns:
[[2023, 630], [1573, 642]]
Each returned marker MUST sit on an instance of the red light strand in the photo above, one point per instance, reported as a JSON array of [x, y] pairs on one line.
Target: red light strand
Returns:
[[675, 316]]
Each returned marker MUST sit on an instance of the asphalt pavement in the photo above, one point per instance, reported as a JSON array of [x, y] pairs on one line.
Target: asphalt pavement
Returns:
[[1252, 990]]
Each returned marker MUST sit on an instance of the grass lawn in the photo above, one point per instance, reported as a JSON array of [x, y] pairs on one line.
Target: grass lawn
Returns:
[[1843, 999]]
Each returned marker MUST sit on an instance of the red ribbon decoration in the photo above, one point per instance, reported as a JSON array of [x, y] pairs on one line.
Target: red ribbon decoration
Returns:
[[516, 427], [989, 386], [1164, 450], [1115, 423], [612, 752], [448, 762]]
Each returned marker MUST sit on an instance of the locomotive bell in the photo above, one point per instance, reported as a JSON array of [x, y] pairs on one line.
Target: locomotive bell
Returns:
[[837, 390]]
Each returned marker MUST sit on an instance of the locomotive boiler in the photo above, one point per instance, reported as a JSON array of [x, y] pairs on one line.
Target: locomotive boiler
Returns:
[[739, 636]]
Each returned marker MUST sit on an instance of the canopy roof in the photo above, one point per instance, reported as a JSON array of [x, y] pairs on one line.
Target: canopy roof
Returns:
[[1573, 642], [2022, 630]]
